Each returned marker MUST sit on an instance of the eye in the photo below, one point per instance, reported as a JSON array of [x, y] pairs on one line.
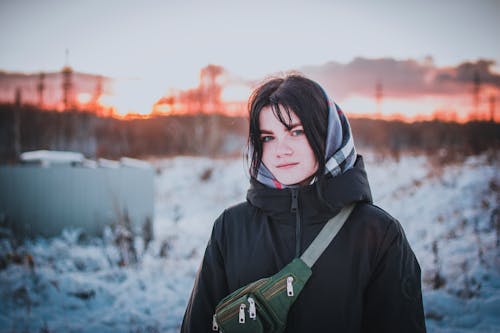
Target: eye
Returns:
[[297, 132], [266, 138]]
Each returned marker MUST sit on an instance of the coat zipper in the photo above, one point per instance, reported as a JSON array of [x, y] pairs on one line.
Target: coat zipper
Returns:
[[295, 209], [298, 229]]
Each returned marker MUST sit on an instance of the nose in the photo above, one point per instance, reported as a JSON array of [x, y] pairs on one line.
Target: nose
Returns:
[[283, 148]]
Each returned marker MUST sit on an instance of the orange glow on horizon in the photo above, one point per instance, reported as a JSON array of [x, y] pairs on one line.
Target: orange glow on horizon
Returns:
[[456, 108], [84, 98], [131, 97], [404, 118], [230, 109], [216, 93]]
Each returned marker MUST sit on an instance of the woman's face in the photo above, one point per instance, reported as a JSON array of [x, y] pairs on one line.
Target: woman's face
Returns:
[[286, 152]]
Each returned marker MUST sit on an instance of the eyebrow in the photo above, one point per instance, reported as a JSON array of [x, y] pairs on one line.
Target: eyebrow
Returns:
[[292, 126]]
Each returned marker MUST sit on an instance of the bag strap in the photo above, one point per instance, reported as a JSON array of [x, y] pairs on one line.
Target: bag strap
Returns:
[[326, 236]]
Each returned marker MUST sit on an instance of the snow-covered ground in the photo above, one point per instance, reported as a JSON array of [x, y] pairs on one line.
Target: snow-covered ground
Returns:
[[73, 284]]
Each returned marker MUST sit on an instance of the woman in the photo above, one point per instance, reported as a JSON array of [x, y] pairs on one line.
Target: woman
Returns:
[[304, 169]]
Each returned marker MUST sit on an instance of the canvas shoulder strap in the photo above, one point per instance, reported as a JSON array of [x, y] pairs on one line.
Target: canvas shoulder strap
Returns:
[[326, 236]]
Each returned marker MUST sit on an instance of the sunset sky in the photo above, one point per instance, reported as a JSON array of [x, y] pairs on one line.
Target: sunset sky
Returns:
[[156, 45]]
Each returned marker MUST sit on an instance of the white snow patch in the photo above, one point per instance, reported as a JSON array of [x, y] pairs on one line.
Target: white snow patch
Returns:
[[76, 285]]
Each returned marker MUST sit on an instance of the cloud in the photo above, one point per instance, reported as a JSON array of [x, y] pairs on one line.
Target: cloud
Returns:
[[467, 72], [400, 78]]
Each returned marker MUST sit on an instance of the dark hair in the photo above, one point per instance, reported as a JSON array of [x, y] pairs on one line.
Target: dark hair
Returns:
[[297, 94]]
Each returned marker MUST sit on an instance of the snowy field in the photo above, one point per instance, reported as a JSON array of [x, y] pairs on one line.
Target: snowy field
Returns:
[[73, 284]]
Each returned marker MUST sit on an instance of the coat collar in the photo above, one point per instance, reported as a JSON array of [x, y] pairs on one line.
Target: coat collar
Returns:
[[339, 191]]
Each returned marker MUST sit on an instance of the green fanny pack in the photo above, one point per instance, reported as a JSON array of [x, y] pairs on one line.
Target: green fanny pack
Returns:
[[263, 305]]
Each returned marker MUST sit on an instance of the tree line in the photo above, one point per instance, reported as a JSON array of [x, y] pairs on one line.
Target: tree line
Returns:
[[26, 128]]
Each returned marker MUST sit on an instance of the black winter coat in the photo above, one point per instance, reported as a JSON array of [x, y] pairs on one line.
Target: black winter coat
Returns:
[[367, 280]]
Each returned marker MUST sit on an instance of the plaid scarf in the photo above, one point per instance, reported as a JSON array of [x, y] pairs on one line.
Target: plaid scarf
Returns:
[[340, 151]]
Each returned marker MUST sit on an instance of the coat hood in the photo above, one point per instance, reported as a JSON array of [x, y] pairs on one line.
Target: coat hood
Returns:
[[339, 191]]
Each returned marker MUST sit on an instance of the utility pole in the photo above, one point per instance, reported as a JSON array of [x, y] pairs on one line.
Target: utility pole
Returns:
[[492, 107], [475, 96], [17, 123], [210, 94], [67, 85], [40, 88], [97, 94], [378, 98]]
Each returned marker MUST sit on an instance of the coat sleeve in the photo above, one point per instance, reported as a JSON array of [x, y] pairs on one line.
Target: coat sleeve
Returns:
[[209, 288], [393, 297]]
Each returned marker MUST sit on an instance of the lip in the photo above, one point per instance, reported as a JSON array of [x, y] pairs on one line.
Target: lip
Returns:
[[286, 165]]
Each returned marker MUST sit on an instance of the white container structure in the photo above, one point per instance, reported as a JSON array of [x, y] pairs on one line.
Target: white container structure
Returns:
[[51, 191]]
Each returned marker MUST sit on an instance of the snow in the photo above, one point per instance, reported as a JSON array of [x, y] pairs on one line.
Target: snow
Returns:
[[47, 157], [50, 156], [134, 163], [110, 164], [72, 283]]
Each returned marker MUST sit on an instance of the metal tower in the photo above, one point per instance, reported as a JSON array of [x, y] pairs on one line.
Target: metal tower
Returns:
[[40, 87], [378, 98], [475, 96], [67, 84]]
